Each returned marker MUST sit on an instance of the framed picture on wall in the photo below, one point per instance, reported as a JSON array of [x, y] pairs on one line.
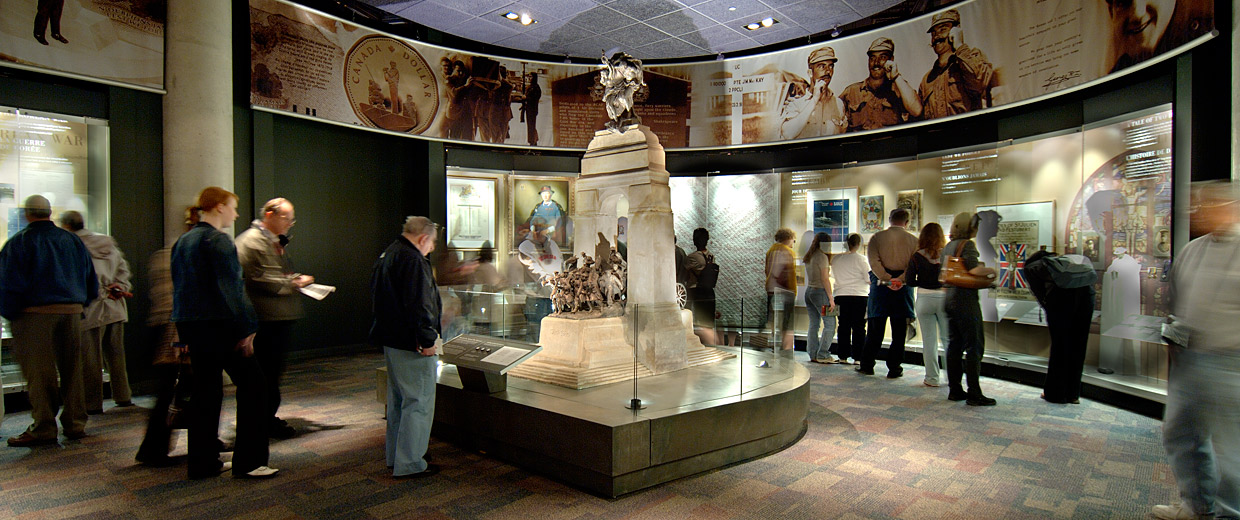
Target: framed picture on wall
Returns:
[[471, 213], [911, 200], [1161, 247], [831, 211], [872, 213], [542, 205]]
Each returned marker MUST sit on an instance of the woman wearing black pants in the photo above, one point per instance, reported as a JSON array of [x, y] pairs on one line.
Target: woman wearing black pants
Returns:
[[852, 289], [215, 318]]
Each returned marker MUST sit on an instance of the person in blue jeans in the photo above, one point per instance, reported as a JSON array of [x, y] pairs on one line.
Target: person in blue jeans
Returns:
[[923, 273], [819, 301], [407, 325], [1201, 427]]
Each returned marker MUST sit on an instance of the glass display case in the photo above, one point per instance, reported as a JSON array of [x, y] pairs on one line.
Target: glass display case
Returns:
[[64, 158]]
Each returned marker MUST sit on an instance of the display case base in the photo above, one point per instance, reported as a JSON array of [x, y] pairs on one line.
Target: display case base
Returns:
[[693, 420]]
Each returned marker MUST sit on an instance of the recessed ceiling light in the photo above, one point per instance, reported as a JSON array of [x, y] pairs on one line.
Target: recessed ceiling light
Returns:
[[731, 8], [765, 22], [522, 18]]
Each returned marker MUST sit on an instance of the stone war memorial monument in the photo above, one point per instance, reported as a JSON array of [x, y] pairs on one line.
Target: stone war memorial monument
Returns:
[[603, 320]]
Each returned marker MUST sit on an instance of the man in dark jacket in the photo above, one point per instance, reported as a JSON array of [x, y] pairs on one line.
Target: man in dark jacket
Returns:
[[46, 278], [407, 312]]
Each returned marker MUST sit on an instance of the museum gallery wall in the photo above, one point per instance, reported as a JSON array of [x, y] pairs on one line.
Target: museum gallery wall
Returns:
[[322, 67]]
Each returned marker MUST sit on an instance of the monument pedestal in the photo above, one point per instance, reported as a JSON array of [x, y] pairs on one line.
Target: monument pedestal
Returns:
[[592, 352], [580, 353]]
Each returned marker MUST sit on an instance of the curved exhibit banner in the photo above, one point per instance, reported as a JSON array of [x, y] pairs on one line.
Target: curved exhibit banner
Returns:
[[117, 41], [974, 56]]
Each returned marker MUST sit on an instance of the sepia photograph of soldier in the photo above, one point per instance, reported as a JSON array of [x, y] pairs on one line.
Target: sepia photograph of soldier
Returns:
[[529, 109], [813, 110], [1142, 29], [884, 98], [961, 78]]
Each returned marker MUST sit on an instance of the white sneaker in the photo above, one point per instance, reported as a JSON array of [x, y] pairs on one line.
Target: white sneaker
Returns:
[[1180, 511], [225, 467], [930, 382], [262, 472], [834, 359]]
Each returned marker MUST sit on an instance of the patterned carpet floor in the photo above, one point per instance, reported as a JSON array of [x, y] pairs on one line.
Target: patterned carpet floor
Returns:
[[875, 448]]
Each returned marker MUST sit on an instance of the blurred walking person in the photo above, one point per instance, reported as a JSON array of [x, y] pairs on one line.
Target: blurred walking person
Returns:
[[1201, 426]]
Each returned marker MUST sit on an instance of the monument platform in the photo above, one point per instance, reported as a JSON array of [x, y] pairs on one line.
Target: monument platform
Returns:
[[695, 420]]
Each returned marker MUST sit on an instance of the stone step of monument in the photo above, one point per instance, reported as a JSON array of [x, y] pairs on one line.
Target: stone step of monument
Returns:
[[580, 378]]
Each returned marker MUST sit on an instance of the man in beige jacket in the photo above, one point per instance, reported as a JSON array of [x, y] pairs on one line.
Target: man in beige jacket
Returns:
[[273, 288], [103, 322]]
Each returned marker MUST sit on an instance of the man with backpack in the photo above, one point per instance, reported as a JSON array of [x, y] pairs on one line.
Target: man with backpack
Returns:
[[1066, 292], [702, 273]]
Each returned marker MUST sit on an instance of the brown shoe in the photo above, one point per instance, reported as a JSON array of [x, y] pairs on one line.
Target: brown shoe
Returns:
[[27, 440]]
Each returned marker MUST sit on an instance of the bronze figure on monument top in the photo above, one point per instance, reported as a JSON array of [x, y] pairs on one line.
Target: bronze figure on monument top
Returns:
[[621, 79]]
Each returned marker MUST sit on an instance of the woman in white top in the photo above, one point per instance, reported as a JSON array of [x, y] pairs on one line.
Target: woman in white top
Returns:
[[852, 289], [818, 300], [923, 273]]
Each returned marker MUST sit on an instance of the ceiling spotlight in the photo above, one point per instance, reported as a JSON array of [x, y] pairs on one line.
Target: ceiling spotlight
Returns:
[[522, 18], [731, 8], [719, 57], [511, 15], [526, 20], [765, 22], [835, 32]]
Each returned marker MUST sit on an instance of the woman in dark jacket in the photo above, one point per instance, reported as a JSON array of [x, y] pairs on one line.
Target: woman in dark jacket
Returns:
[[215, 318]]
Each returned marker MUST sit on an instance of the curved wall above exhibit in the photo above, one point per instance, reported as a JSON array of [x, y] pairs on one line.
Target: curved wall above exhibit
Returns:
[[992, 54]]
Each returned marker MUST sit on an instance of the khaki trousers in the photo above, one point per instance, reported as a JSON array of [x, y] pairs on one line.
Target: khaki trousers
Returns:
[[104, 346], [45, 344]]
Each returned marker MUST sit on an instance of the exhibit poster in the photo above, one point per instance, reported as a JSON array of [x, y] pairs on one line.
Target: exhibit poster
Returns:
[[831, 217], [911, 200], [471, 213], [119, 41], [1021, 230], [541, 206], [975, 56], [872, 214]]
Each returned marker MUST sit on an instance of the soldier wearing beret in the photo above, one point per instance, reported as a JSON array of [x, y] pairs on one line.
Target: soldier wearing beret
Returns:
[[884, 98], [813, 111], [961, 78]]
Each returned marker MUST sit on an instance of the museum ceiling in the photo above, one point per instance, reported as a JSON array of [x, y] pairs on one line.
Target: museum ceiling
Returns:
[[648, 29]]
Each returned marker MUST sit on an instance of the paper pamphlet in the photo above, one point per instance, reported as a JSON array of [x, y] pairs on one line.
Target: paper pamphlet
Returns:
[[317, 291], [505, 356]]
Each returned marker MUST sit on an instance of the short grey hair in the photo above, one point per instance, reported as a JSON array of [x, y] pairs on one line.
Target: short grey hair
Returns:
[[418, 226], [72, 221]]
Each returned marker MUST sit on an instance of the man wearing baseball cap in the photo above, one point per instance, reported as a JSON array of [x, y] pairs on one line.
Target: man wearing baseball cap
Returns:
[[884, 98], [961, 78], [819, 111]]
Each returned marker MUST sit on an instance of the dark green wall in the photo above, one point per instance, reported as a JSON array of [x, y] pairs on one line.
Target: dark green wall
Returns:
[[352, 190]]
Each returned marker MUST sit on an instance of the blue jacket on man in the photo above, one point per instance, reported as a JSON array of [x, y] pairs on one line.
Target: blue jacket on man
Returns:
[[44, 265], [206, 281], [406, 300]]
